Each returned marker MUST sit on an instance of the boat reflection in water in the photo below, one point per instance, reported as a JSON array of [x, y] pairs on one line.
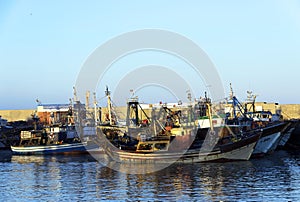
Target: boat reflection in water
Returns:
[[80, 178], [41, 159], [230, 181]]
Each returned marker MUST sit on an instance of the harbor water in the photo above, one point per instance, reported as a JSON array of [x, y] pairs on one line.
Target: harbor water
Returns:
[[80, 178]]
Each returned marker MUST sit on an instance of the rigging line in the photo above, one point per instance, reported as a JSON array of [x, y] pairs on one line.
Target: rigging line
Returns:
[[114, 106], [228, 128], [102, 98], [162, 127]]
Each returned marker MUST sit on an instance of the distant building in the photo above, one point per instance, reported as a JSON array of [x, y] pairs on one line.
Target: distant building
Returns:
[[55, 113]]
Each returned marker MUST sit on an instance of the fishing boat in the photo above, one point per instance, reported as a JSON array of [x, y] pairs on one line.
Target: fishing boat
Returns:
[[56, 137], [176, 139], [7, 135], [246, 116], [161, 151], [271, 126], [52, 140], [70, 148]]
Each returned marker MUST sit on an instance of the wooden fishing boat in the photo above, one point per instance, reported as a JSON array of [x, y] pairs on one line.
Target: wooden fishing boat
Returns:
[[163, 151], [177, 141]]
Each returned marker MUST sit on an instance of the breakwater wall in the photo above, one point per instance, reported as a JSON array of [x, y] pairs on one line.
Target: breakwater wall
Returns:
[[17, 115], [289, 111]]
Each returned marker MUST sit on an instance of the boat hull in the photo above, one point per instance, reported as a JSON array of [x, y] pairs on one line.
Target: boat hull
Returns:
[[74, 148], [269, 140], [286, 134], [264, 144], [285, 137], [241, 150]]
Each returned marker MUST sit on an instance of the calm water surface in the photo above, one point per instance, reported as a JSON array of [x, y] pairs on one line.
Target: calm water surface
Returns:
[[64, 178]]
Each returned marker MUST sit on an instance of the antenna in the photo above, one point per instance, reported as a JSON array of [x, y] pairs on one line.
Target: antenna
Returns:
[[132, 92], [95, 109], [231, 94], [107, 92], [87, 99], [189, 95], [249, 96], [75, 94], [38, 101], [95, 100], [109, 106]]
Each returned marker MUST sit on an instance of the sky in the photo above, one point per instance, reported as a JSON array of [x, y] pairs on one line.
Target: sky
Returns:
[[255, 45]]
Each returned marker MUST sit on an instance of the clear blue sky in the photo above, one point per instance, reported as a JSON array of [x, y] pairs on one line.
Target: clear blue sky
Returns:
[[255, 45]]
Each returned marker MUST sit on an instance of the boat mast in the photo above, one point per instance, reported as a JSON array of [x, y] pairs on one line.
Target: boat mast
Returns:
[[154, 119], [95, 110], [253, 103], [87, 100], [77, 114], [70, 113], [208, 104], [107, 93], [132, 107], [232, 97], [75, 94], [190, 116]]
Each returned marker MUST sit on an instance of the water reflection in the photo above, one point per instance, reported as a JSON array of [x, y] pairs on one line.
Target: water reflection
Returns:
[[23, 159], [253, 180], [80, 178]]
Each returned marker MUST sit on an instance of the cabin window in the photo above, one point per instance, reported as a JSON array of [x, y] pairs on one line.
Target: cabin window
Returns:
[[145, 147], [160, 146]]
